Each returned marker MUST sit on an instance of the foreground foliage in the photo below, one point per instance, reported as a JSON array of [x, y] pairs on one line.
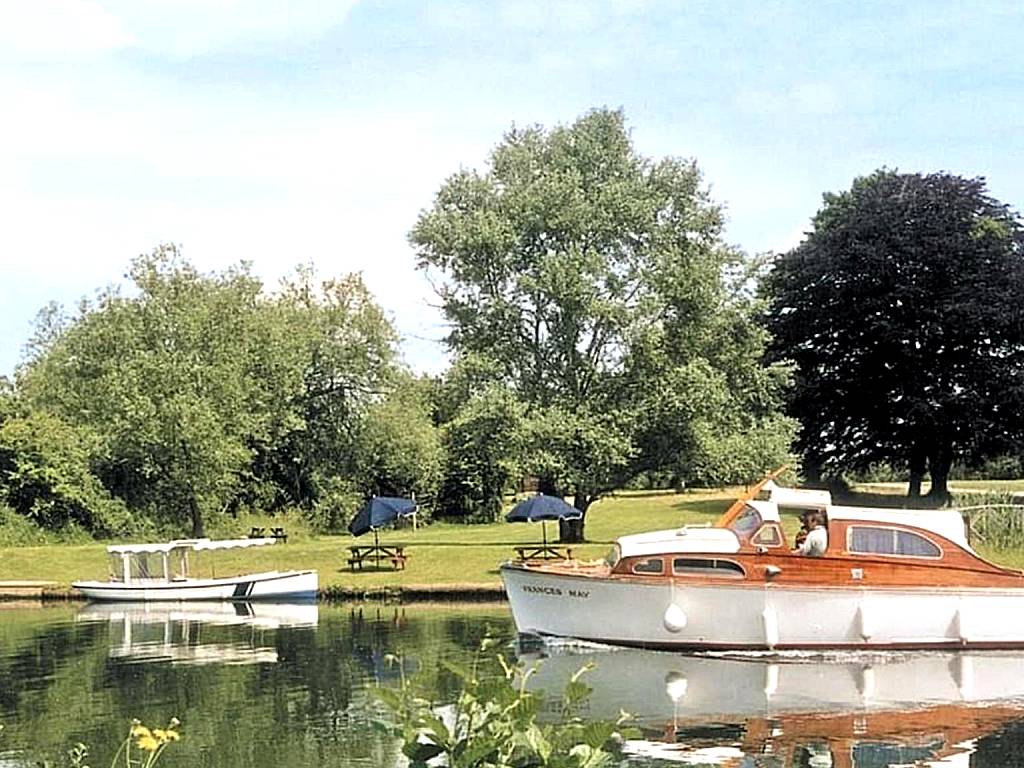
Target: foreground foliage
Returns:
[[494, 721]]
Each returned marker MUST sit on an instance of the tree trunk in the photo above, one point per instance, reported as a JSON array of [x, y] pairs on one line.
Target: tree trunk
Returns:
[[939, 464], [571, 531], [917, 467], [811, 469], [194, 513]]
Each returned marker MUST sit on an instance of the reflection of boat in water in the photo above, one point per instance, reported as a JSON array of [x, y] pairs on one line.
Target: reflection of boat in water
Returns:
[[164, 572], [881, 579], [846, 709], [189, 633]]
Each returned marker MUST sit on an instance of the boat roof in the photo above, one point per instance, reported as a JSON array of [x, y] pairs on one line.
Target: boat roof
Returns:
[[192, 544], [947, 523]]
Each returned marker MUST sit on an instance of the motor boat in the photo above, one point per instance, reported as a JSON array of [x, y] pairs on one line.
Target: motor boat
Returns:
[[838, 709], [887, 579], [147, 572]]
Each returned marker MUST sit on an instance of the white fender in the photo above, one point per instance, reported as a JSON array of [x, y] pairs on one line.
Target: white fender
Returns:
[[965, 677], [865, 618], [674, 618], [771, 626], [675, 686], [962, 623], [867, 684], [771, 679]]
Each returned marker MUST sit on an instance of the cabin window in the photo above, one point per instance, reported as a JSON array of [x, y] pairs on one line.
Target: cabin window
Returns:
[[746, 522], [651, 565], [768, 536], [890, 541], [725, 569]]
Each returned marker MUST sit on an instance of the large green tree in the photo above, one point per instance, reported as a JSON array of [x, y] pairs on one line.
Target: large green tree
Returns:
[[903, 310], [168, 379], [203, 392], [590, 280]]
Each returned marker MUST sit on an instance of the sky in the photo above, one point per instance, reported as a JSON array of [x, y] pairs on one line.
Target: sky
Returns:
[[287, 133]]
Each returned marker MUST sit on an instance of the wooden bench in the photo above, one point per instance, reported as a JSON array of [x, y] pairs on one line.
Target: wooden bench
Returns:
[[393, 554], [259, 532], [543, 552]]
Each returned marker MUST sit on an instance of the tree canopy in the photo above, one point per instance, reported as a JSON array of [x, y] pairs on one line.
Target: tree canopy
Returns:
[[196, 394], [588, 281], [902, 310]]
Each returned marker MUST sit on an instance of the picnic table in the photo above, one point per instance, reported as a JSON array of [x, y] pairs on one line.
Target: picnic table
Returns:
[[259, 532], [543, 552], [358, 555]]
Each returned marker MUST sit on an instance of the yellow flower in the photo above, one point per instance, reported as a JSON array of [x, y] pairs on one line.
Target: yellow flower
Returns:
[[148, 743], [172, 735], [140, 731]]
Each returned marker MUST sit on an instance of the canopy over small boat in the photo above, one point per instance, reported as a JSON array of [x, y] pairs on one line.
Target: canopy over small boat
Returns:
[[196, 545]]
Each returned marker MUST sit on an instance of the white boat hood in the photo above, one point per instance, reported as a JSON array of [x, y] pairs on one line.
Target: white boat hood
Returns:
[[685, 539]]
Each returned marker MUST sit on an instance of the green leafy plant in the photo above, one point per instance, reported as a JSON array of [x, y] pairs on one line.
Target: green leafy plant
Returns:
[[494, 721]]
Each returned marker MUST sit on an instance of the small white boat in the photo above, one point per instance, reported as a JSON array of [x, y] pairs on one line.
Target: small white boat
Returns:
[[148, 572], [887, 578]]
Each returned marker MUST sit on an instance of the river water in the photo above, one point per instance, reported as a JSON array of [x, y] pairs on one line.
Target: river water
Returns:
[[260, 686]]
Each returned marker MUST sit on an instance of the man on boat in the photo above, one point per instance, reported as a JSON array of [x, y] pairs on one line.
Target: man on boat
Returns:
[[812, 540]]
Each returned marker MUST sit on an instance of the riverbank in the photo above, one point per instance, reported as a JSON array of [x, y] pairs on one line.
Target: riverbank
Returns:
[[445, 560]]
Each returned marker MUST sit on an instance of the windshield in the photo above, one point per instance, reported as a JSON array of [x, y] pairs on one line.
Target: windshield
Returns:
[[612, 557], [746, 522]]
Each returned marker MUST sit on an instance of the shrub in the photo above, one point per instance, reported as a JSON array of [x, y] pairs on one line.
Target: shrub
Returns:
[[494, 721]]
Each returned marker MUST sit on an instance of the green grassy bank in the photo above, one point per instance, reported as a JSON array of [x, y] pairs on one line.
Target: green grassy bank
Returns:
[[440, 554]]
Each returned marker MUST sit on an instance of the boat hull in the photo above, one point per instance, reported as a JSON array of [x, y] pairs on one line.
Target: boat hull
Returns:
[[669, 614], [272, 585]]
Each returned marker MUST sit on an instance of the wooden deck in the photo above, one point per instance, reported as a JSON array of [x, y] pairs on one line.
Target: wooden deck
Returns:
[[19, 590]]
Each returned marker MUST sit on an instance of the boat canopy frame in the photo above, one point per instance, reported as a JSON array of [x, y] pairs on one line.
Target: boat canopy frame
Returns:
[[133, 562]]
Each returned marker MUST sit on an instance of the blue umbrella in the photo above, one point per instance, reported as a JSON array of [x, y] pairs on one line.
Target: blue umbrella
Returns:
[[378, 512], [542, 507]]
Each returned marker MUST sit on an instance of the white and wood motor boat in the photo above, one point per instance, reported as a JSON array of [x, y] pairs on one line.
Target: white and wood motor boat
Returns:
[[888, 578]]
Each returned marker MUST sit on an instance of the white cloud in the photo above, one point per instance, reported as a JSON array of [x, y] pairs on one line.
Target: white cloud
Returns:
[[815, 98], [59, 27], [187, 28], [87, 185]]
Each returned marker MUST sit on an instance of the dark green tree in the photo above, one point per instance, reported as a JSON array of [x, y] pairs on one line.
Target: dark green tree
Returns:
[[903, 311], [586, 277]]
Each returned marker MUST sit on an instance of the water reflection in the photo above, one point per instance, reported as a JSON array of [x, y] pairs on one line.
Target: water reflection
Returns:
[[258, 690], [254, 686], [841, 710], [187, 633]]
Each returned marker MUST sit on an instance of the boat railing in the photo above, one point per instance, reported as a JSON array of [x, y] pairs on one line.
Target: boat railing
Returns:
[[998, 525]]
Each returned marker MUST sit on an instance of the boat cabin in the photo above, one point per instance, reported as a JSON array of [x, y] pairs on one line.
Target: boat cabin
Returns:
[[748, 542]]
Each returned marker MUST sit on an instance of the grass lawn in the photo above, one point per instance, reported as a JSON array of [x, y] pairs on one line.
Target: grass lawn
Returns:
[[439, 554]]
